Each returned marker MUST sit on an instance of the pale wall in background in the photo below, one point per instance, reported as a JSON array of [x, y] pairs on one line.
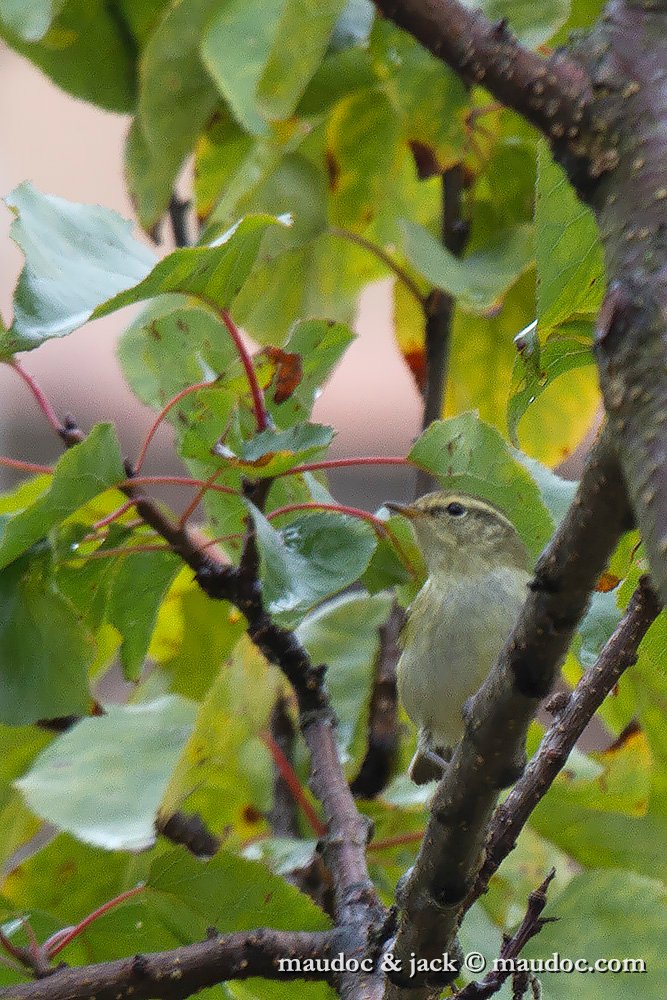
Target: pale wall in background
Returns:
[[73, 150]]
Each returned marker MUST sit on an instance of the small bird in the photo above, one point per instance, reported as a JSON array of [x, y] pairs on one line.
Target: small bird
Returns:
[[478, 571]]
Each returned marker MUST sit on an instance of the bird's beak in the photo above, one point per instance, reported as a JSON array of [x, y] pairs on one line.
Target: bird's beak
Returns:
[[400, 508]]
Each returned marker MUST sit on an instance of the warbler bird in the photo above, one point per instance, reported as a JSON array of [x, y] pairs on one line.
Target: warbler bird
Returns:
[[478, 571]]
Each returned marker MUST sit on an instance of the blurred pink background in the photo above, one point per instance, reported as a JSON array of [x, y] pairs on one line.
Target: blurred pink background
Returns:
[[71, 149]]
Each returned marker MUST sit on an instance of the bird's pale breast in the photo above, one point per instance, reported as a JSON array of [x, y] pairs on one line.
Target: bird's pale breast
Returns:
[[451, 641]]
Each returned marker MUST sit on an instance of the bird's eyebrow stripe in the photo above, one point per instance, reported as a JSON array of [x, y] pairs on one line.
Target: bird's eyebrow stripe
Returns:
[[471, 503]]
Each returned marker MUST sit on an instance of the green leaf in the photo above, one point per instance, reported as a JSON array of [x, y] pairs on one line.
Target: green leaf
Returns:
[[87, 49], [44, 649], [221, 153], [599, 622], [235, 50], [273, 179], [137, 590], [170, 346], [193, 636], [63, 284], [289, 67], [344, 635], [225, 773], [482, 354], [532, 21], [536, 368], [212, 274], [273, 452], [130, 752], [570, 263], [388, 566], [478, 281], [363, 157], [81, 473], [469, 456], [343, 72], [20, 745], [353, 26], [596, 838], [583, 14], [312, 558], [149, 177], [320, 344], [31, 21], [430, 99], [557, 493], [176, 98], [618, 780], [68, 879], [315, 280], [606, 915], [76, 257], [208, 895]]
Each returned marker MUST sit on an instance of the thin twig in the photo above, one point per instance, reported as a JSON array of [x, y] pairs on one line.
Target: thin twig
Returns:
[[38, 395], [178, 216], [439, 310], [291, 781], [383, 731], [18, 463], [162, 414], [284, 813], [531, 925], [262, 418]]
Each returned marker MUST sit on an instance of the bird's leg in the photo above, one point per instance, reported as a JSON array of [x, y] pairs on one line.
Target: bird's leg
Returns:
[[429, 763]]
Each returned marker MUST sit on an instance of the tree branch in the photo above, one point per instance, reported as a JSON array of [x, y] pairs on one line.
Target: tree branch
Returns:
[[618, 654], [492, 752], [178, 217], [626, 58], [383, 735], [284, 814], [357, 910], [171, 975], [551, 93], [439, 310], [532, 924], [602, 108]]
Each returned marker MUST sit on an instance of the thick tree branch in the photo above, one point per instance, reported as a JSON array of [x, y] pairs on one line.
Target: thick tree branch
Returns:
[[619, 653], [492, 752], [551, 93], [171, 975], [626, 59], [603, 106]]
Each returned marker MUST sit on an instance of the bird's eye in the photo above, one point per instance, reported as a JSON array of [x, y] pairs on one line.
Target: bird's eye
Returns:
[[456, 509]]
